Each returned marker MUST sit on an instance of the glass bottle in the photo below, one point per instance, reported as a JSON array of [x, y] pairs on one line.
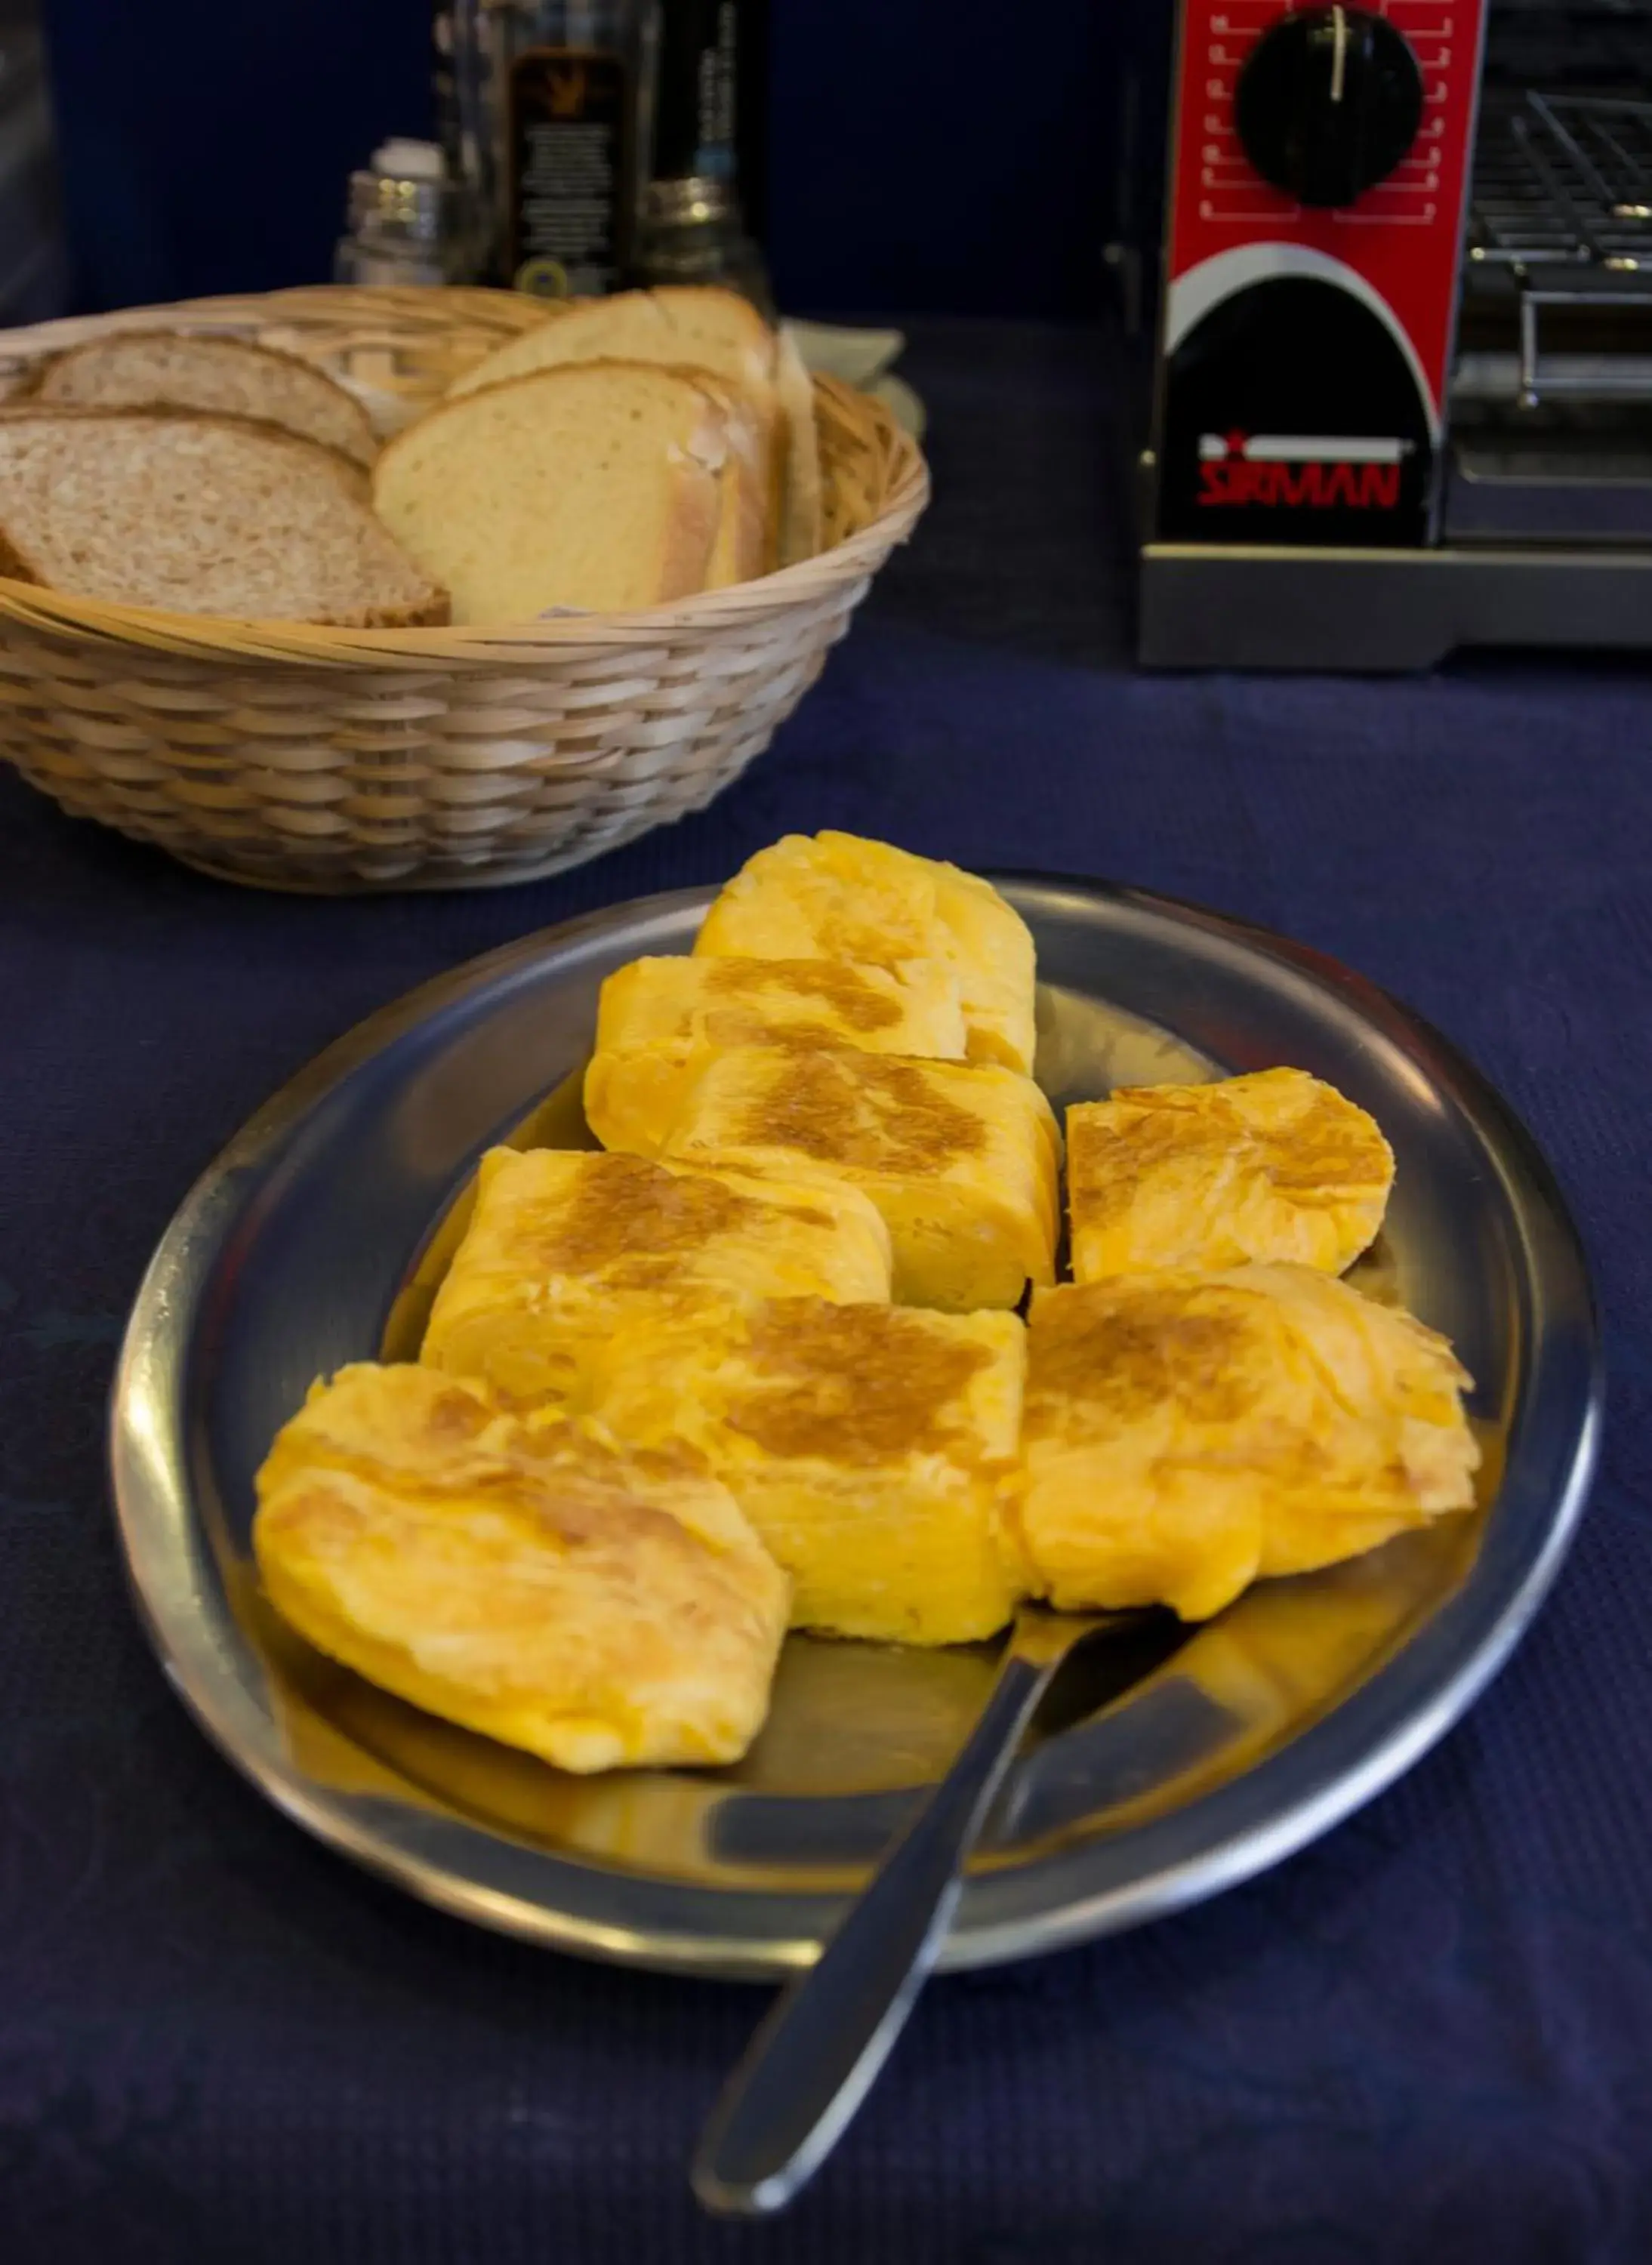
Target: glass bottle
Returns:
[[547, 113], [693, 228]]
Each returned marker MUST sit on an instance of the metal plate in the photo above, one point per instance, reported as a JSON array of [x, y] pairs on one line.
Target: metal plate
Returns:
[[1174, 1764]]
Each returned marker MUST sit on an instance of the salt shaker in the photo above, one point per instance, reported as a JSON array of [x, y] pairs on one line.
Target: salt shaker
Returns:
[[409, 222]]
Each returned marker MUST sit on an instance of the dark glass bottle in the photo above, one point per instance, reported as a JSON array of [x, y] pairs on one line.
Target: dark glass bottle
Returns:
[[546, 112], [693, 227]]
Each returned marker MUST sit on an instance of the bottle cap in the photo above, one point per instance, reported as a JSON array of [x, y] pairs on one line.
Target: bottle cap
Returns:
[[406, 160]]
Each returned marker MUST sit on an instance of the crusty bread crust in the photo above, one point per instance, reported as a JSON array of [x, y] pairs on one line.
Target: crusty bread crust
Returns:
[[15, 565], [434, 614]]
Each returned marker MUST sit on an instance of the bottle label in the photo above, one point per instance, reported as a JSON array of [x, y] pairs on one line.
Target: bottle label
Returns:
[[715, 155], [568, 134]]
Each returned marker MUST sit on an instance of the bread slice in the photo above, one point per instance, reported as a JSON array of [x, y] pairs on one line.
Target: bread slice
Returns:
[[696, 329], [199, 514], [176, 369], [709, 328], [745, 545], [801, 530], [595, 486]]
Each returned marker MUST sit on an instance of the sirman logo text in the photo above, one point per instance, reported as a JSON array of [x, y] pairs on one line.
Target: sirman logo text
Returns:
[[1294, 472]]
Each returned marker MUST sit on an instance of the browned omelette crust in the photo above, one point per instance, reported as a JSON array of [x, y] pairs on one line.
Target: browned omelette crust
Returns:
[[869, 1446], [860, 1385], [531, 1581], [962, 1159], [845, 990], [563, 1245], [838, 896], [634, 1222], [660, 1020], [1185, 1432], [875, 1115], [1275, 1165]]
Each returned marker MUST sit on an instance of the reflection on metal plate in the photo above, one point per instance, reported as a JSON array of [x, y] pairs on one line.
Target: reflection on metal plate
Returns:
[[1169, 1762]]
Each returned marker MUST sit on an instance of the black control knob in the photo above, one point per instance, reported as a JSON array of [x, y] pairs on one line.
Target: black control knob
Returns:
[[1329, 101]]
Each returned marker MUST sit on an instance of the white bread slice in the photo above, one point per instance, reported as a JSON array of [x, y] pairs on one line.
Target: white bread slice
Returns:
[[696, 329], [199, 515], [702, 325], [800, 525], [178, 369], [744, 544], [596, 486]]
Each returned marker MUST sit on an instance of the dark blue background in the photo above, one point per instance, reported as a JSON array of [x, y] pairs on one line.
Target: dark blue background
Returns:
[[926, 154]]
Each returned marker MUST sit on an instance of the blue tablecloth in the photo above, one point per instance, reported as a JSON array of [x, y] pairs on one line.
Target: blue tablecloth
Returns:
[[1427, 2039]]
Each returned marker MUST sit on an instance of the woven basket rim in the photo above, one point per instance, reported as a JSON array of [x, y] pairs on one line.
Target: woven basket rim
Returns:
[[232, 638], [235, 307]]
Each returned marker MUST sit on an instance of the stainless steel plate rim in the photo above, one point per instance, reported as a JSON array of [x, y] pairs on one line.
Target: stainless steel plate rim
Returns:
[[1275, 1807]]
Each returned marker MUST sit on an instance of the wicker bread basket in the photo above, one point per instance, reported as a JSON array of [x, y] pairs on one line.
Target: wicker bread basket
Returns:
[[305, 758]]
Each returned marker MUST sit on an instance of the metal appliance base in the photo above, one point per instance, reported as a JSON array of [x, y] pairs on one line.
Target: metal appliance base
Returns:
[[1382, 611]]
